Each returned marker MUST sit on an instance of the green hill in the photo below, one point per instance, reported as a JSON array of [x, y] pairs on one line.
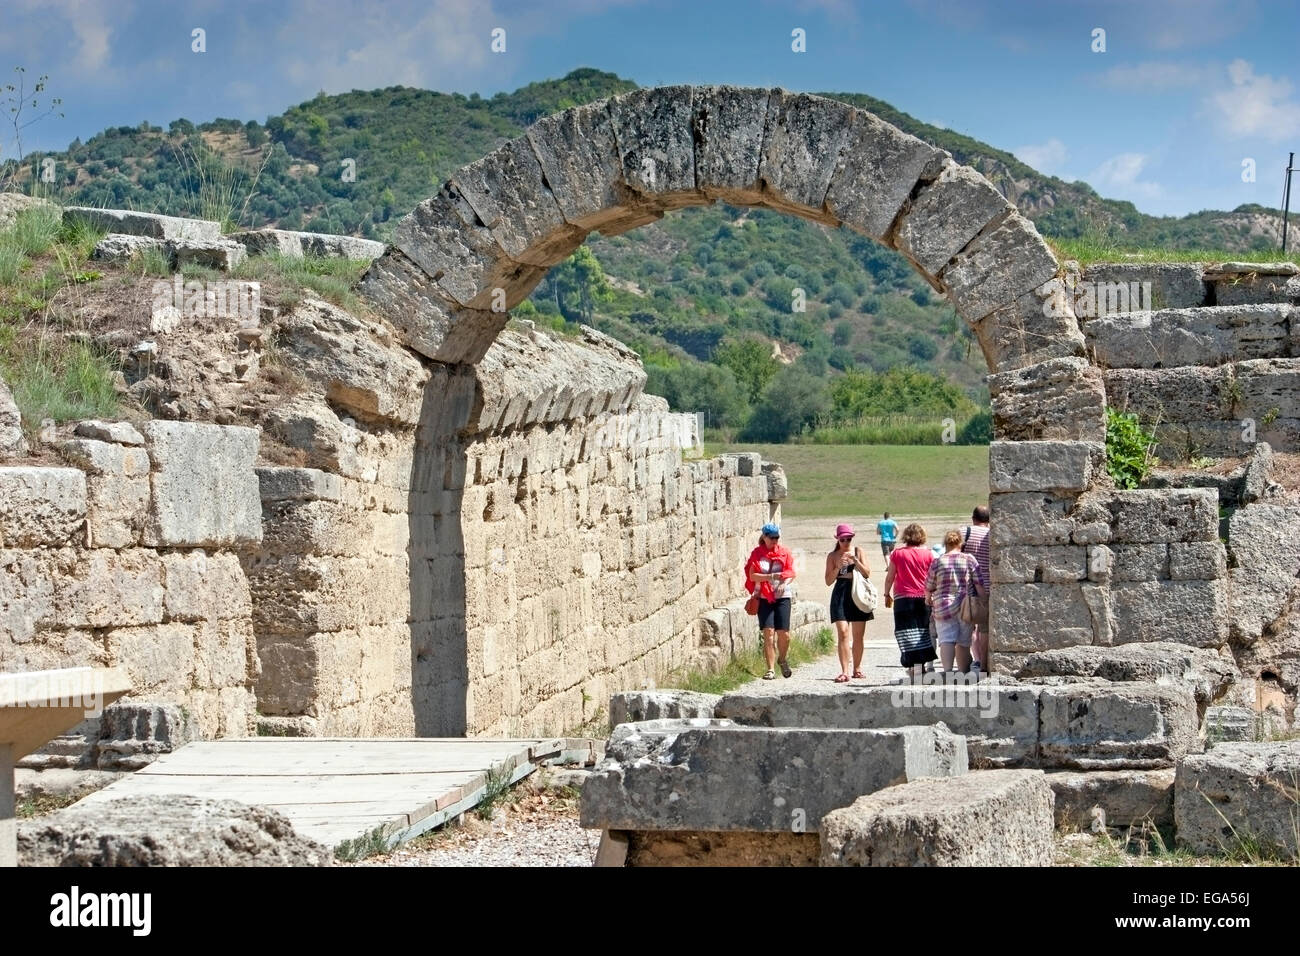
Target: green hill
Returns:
[[701, 286]]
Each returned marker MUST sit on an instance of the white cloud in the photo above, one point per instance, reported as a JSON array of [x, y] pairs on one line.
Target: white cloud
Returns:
[[1046, 157], [89, 27], [1119, 177], [1155, 76], [1255, 105]]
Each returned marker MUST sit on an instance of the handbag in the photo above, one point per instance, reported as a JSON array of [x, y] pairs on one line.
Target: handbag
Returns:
[[751, 606], [974, 609], [864, 593]]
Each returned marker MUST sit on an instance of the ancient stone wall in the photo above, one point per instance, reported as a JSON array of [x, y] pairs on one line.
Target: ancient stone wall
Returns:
[[130, 557]]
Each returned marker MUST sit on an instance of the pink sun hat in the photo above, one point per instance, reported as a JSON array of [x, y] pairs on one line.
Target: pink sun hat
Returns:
[[844, 529]]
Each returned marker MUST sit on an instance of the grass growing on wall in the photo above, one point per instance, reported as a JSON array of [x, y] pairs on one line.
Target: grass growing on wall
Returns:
[[1088, 251]]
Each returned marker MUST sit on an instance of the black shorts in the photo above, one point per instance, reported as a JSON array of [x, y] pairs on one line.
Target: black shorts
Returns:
[[842, 606], [774, 615]]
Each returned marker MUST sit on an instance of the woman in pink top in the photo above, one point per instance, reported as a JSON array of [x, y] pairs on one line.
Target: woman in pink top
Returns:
[[909, 568]]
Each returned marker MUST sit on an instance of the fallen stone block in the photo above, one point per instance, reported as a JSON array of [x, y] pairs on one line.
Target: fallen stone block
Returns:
[[1113, 798], [715, 775], [638, 705], [165, 830], [220, 254], [120, 249], [1203, 671], [1130, 726], [143, 224], [1240, 793], [133, 734], [984, 818], [120, 433], [12, 204], [296, 245], [999, 721]]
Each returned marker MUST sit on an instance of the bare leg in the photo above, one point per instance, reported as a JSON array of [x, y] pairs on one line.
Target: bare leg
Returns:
[[963, 658], [769, 649], [859, 636], [842, 633], [783, 644], [945, 655]]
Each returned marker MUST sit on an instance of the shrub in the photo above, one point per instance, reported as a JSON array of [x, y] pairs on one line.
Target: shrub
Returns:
[[1128, 449]]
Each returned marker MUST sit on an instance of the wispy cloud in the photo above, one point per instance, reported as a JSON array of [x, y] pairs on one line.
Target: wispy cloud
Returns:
[[1120, 176], [1158, 76], [1255, 105], [1046, 157]]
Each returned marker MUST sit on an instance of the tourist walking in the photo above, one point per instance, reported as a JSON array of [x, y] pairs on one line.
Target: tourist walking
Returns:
[[843, 561], [975, 541], [768, 573], [909, 567], [888, 531], [951, 577]]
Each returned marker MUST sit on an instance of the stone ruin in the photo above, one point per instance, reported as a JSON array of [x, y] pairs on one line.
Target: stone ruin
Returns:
[[475, 529]]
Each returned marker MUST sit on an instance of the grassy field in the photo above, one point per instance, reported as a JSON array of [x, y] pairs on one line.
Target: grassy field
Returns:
[[830, 480], [1088, 251]]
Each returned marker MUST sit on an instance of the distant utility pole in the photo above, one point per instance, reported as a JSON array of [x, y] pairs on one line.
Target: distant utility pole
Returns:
[[1286, 198]]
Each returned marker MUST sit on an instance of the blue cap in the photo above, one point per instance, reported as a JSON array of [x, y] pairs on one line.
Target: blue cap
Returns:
[[771, 530]]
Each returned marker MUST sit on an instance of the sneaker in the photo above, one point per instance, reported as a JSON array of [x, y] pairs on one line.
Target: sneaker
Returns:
[[975, 669], [770, 675], [785, 669]]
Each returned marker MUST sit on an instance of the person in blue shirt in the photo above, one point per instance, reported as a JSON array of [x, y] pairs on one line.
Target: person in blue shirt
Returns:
[[888, 535]]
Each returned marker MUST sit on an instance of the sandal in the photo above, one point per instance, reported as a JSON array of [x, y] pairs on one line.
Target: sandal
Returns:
[[785, 669], [858, 675], [770, 675], [842, 679]]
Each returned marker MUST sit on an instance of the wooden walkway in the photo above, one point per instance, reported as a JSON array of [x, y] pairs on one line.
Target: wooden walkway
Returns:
[[337, 789]]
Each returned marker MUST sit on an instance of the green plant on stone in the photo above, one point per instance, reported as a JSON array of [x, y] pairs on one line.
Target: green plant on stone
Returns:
[[1129, 457], [496, 785], [366, 845], [1270, 416]]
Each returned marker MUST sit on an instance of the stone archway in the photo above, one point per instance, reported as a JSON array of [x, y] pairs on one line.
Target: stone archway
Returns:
[[464, 257]]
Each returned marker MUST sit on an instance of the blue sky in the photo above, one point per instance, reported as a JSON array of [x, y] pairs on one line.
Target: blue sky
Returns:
[[1183, 94]]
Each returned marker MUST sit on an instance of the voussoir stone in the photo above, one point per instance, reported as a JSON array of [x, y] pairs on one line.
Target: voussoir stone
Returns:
[[804, 138], [165, 830], [985, 818], [729, 127], [653, 128], [997, 268], [946, 215], [715, 775]]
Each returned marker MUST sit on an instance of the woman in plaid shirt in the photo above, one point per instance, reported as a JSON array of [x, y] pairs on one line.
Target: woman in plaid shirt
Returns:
[[951, 575]]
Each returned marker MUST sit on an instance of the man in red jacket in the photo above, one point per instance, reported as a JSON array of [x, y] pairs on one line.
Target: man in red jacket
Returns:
[[770, 569]]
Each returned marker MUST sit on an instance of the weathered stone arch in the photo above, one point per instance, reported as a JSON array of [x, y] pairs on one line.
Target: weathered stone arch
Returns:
[[477, 248]]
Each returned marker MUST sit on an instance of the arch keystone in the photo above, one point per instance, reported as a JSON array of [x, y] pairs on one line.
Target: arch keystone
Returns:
[[802, 143], [729, 129]]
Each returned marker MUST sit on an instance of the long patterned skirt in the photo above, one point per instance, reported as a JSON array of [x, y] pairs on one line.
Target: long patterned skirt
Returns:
[[912, 631]]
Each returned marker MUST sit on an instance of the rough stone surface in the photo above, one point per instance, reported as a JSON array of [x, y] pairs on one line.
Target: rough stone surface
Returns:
[[11, 204], [998, 267], [802, 143], [1207, 674], [1171, 337], [1264, 543], [1138, 726], [1058, 400], [1042, 466], [221, 254], [295, 245], [121, 433], [1124, 797], [165, 831], [637, 705], [1038, 326], [714, 775], [1236, 792], [144, 224], [986, 818], [999, 722], [204, 487], [117, 490], [41, 507], [120, 248], [1174, 285], [946, 215], [134, 733], [12, 441]]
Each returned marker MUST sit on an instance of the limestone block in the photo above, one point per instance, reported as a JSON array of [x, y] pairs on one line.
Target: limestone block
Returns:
[[653, 128], [425, 317], [1188, 612], [778, 488], [1140, 562], [997, 268], [103, 588], [13, 204], [946, 215], [460, 256], [1187, 394], [41, 507], [205, 492], [1125, 798], [1036, 617], [117, 490], [988, 818], [1038, 326], [295, 245], [143, 224], [1264, 541], [298, 484], [303, 593], [802, 142], [159, 658], [122, 433], [1058, 564], [1203, 671], [1042, 466], [729, 125], [1208, 336], [507, 191], [1164, 515], [204, 587], [12, 441], [714, 775], [1270, 387], [1174, 285], [876, 173], [120, 248], [220, 254], [1030, 518], [638, 705], [1116, 726], [1058, 400], [1197, 561], [1237, 792], [999, 721], [134, 733], [165, 830], [1251, 289]]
